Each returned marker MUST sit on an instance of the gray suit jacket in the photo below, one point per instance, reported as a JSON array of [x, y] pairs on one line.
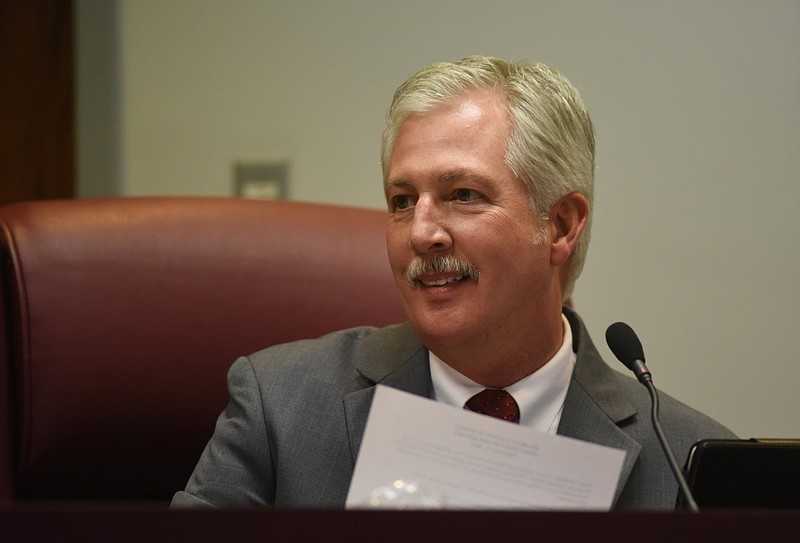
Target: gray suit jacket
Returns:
[[293, 426]]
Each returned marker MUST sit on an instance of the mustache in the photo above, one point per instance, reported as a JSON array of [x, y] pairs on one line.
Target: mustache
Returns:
[[439, 264]]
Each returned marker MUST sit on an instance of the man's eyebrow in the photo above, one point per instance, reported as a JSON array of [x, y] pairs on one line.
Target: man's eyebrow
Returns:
[[401, 183], [461, 175], [454, 175], [446, 177]]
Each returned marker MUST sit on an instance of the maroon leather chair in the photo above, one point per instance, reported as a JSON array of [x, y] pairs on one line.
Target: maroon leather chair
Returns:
[[120, 317]]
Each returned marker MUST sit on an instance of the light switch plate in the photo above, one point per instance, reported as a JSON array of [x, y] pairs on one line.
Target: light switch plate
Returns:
[[261, 180]]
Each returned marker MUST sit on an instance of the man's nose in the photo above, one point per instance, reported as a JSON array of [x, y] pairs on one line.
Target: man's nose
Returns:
[[429, 231]]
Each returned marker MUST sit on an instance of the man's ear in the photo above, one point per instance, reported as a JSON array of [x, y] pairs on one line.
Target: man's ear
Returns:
[[568, 218]]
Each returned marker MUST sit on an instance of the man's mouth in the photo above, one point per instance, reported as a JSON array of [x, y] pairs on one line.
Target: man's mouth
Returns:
[[443, 281]]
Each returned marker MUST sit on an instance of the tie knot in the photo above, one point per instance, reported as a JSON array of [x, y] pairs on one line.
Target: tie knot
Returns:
[[494, 402]]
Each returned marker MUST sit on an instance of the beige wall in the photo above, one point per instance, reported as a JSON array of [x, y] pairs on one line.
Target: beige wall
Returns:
[[697, 110]]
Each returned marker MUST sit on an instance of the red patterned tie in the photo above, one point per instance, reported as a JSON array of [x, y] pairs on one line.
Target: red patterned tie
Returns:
[[496, 403]]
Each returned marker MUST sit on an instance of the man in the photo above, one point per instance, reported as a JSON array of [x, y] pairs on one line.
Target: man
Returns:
[[488, 173]]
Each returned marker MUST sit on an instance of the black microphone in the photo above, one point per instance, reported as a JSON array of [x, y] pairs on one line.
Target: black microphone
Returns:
[[625, 345]]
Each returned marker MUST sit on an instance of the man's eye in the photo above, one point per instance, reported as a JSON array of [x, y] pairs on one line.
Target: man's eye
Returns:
[[401, 202], [466, 195]]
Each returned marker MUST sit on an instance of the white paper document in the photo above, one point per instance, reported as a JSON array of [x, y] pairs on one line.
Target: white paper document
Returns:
[[457, 459]]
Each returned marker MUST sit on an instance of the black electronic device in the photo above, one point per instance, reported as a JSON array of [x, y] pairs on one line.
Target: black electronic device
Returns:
[[744, 473]]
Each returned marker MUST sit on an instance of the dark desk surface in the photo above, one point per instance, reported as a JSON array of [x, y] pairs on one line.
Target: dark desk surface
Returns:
[[150, 525]]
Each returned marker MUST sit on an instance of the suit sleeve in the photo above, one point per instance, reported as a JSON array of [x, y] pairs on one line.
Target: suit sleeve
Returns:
[[235, 469]]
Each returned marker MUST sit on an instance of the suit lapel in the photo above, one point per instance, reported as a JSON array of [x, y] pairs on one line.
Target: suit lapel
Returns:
[[595, 406], [406, 369], [583, 419]]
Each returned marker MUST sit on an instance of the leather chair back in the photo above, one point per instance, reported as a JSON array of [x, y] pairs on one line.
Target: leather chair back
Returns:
[[120, 317]]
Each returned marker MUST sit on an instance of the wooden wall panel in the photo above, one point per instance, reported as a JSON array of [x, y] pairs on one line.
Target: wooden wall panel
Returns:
[[37, 125]]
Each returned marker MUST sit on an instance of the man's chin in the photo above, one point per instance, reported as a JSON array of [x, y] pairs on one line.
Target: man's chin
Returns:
[[446, 332]]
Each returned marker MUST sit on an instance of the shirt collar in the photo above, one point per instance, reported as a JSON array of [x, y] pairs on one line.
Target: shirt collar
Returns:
[[540, 395]]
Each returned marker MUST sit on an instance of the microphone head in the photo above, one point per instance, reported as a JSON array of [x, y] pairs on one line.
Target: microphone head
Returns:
[[625, 345]]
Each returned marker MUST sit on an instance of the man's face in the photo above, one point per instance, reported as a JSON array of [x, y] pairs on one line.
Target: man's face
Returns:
[[451, 194]]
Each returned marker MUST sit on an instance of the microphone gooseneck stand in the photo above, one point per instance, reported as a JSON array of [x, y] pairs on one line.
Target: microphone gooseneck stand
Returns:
[[625, 345]]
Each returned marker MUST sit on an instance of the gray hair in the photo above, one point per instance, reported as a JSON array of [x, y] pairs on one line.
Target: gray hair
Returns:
[[551, 146]]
